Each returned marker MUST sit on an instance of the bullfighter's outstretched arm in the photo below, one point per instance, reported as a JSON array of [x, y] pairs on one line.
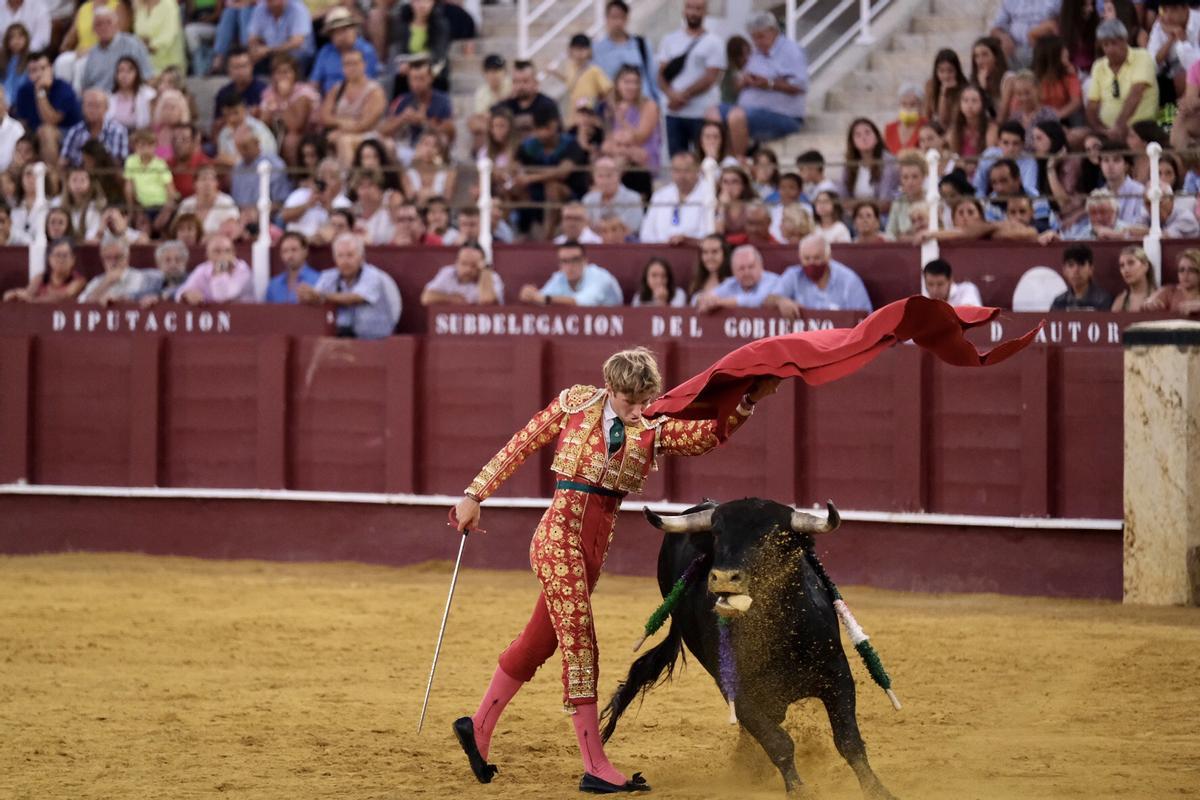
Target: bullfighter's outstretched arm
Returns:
[[685, 437], [537, 433]]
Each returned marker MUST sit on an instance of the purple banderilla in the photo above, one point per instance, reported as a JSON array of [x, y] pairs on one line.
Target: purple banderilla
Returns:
[[728, 667]]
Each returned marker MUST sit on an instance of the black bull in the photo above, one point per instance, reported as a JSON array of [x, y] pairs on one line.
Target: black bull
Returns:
[[786, 645]]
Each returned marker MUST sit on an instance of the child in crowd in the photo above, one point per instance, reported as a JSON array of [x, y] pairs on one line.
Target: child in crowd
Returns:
[[585, 81], [810, 166], [148, 180], [827, 209], [913, 171]]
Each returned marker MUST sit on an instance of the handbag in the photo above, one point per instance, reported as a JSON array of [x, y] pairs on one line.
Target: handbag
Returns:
[[675, 66]]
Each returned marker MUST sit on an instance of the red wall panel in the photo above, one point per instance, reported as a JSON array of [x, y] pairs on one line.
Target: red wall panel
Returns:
[[1088, 414]]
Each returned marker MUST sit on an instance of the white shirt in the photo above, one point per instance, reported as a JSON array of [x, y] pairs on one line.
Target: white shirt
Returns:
[[708, 53], [668, 216], [379, 227], [315, 217], [610, 417], [223, 208], [964, 294], [1182, 54], [10, 132], [588, 236]]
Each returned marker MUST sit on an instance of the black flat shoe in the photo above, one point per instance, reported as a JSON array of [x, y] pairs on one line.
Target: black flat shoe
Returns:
[[593, 785], [464, 731]]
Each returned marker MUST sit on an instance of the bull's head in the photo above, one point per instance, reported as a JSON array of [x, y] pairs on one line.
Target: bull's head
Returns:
[[748, 535]]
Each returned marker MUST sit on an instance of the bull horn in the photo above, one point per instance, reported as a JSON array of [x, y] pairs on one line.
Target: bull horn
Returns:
[[695, 522], [807, 523]]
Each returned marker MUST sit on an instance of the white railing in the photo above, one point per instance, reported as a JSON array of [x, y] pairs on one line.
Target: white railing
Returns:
[[822, 19], [37, 248], [484, 165], [930, 250], [526, 18], [260, 252], [1152, 243]]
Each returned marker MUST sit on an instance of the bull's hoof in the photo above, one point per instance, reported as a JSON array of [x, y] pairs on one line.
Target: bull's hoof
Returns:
[[592, 785], [464, 731]]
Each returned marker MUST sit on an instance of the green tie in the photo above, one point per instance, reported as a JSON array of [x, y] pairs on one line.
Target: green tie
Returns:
[[616, 436]]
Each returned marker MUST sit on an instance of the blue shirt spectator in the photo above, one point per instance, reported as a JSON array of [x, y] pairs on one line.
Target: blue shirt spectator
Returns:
[[618, 49], [278, 290], [821, 283], [60, 95], [1026, 165], [327, 67], [438, 109], [595, 286], [243, 181], [94, 125], [378, 310], [782, 61], [749, 296], [749, 287], [275, 22]]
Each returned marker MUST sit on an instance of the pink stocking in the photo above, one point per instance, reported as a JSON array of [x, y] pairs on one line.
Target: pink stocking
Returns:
[[587, 731], [502, 689]]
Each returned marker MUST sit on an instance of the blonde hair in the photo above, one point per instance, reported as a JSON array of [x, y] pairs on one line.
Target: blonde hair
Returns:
[[633, 372]]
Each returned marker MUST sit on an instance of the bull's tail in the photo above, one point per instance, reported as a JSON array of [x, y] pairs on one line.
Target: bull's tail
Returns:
[[644, 674]]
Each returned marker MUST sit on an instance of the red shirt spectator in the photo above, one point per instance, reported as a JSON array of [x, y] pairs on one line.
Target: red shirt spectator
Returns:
[[186, 159]]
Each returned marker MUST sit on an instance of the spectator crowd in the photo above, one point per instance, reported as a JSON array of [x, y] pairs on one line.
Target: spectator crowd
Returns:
[[1042, 131]]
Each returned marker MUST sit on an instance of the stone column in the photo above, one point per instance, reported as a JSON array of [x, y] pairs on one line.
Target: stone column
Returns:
[[1162, 463]]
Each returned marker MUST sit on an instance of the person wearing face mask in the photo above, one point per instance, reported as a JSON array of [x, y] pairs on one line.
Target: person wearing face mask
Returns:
[[902, 133], [818, 282]]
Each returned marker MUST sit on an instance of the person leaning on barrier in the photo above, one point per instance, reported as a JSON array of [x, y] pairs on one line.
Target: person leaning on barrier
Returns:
[[60, 283], [222, 278], [1082, 293], [365, 297], [171, 258], [657, 286], [293, 254], [574, 226], [749, 287], [1184, 297], [470, 280], [575, 283], [119, 281], [940, 285], [818, 282]]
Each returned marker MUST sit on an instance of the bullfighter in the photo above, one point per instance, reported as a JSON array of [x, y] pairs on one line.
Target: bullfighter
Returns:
[[606, 448]]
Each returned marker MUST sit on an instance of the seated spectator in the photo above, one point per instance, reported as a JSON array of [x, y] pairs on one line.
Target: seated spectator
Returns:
[[148, 183], [526, 100], [1011, 218], [1004, 180], [618, 48], [371, 156], [585, 81], [60, 283], [757, 227], [309, 206], [10, 236], [208, 203], [470, 280], [468, 224], [749, 287], [170, 109], [1139, 137], [866, 223], [1011, 146], [430, 174], [939, 285], [222, 278], [818, 283], [680, 212], [14, 57], [374, 220], [243, 182], [112, 44], [186, 228], [1057, 81], [114, 224], [243, 84], [774, 88], [171, 258], [1058, 174], [1175, 222], [764, 171], [966, 222], [690, 63], [631, 122], [913, 171], [787, 194], [932, 136], [575, 283], [737, 55], [350, 112], [422, 109], [365, 297], [496, 87], [289, 107], [657, 286], [132, 100], [235, 117], [159, 25], [1138, 275], [1082, 293], [186, 158], [1123, 88], [81, 37], [1175, 44], [232, 35], [409, 227], [1101, 221], [277, 27], [795, 223], [810, 166], [83, 201], [1025, 105], [712, 148], [11, 132], [607, 194], [943, 88], [1184, 297], [1115, 166], [46, 105], [574, 225], [1186, 127], [870, 172], [436, 216], [293, 254], [612, 230], [119, 281], [990, 73], [199, 33], [342, 30], [918, 214], [419, 31], [902, 133], [827, 214], [24, 216], [734, 192], [712, 266], [57, 225], [94, 125], [550, 171], [1020, 23], [973, 130]]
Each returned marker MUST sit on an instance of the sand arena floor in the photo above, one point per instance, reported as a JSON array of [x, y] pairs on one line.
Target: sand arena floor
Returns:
[[136, 677]]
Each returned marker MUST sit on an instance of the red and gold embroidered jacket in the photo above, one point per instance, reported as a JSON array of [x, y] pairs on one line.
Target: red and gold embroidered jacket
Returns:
[[576, 418]]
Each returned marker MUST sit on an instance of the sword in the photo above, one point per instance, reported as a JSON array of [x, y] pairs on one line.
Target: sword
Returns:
[[442, 632]]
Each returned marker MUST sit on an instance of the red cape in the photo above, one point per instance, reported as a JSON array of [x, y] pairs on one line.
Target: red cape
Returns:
[[822, 356]]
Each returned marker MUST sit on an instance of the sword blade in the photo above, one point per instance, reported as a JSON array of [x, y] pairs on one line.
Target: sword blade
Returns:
[[442, 631]]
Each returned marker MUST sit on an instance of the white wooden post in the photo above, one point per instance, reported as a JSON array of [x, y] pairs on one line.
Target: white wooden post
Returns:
[[37, 249], [484, 165], [790, 19], [864, 23], [260, 253], [1152, 243], [930, 249], [522, 28]]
